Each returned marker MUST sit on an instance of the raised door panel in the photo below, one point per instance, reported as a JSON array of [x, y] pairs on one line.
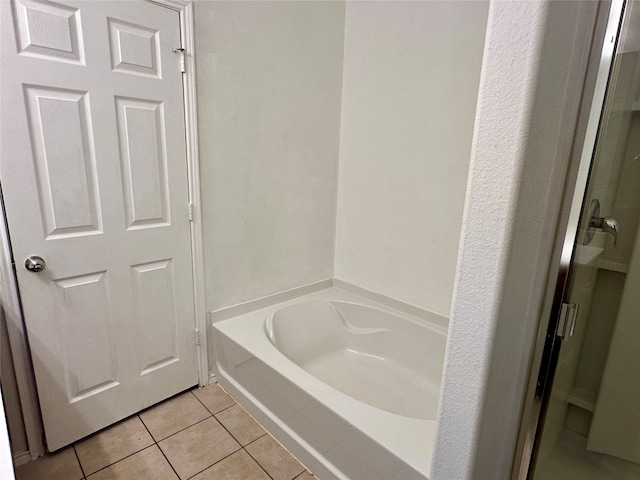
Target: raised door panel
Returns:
[[144, 162], [48, 30], [65, 161], [134, 49], [84, 314], [156, 316]]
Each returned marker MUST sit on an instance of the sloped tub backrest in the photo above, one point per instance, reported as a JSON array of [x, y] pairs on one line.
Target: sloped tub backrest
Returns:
[[309, 329]]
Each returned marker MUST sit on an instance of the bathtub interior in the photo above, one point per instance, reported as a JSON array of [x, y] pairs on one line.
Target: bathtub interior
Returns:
[[387, 361], [334, 433]]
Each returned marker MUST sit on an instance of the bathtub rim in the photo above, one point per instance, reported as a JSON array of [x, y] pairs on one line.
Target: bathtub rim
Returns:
[[419, 314]]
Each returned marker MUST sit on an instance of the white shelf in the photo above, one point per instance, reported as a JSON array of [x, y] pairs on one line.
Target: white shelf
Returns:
[[587, 255], [582, 399], [590, 256], [612, 266]]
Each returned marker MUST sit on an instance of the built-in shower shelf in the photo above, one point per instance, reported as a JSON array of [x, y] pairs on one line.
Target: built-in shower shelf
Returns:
[[612, 266], [587, 255], [582, 399], [591, 256]]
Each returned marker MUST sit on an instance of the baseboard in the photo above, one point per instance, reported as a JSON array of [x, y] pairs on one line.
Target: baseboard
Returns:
[[21, 458]]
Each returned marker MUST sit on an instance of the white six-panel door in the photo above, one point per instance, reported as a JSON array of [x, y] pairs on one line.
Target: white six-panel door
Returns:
[[94, 178]]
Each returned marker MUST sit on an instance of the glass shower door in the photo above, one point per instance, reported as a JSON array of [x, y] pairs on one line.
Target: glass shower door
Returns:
[[591, 427]]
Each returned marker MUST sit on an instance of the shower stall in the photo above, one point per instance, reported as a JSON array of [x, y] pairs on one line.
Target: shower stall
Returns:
[[589, 381]]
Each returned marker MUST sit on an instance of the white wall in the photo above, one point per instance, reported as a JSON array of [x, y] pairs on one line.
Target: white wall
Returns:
[[10, 392], [269, 81], [410, 83], [532, 76], [6, 462]]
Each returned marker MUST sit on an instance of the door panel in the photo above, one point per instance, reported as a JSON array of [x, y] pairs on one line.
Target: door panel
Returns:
[[87, 334], [48, 30], [144, 162], [134, 49], [94, 176], [153, 290], [64, 160]]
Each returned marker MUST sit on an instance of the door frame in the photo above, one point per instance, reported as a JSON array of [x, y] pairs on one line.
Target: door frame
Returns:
[[9, 290], [547, 348]]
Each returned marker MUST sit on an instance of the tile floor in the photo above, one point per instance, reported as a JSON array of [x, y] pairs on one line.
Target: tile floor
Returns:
[[201, 435], [570, 460]]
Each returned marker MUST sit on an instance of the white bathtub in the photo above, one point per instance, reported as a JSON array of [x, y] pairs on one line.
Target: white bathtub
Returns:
[[350, 387]]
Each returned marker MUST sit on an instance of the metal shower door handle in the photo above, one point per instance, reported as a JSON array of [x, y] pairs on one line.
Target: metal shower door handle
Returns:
[[608, 225]]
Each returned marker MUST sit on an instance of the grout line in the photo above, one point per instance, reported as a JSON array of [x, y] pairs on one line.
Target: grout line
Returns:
[[233, 436], [256, 439], [229, 432], [151, 407], [161, 451], [215, 463], [79, 462], [266, 432], [226, 408], [208, 410], [242, 447], [127, 456], [181, 430], [257, 462], [213, 415], [306, 470], [170, 464], [123, 458]]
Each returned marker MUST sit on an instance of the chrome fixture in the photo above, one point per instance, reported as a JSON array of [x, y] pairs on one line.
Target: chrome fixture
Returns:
[[34, 264], [607, 225]]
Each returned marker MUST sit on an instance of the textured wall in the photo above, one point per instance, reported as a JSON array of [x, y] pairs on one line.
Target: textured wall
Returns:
[[10, 393], [532, 75], [269, 81], [411, 74]]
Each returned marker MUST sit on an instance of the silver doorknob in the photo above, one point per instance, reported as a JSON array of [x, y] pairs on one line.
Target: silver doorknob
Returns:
[[34, 263]]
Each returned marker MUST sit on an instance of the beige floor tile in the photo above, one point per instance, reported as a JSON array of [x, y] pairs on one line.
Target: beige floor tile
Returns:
[[239, 466], [62, 465], [274, 459], [173, 415], [213, 397], [198, 447], [305, 476], [112, 444], [149, 464], [244, 428]]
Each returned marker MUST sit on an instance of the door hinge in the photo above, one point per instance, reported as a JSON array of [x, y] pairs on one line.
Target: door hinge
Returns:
[[567, 322], [191, 211], [197, 337], [181, 51]]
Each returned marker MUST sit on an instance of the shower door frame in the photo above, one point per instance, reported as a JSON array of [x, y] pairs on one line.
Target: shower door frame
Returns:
[[10, 295], [547, 348]]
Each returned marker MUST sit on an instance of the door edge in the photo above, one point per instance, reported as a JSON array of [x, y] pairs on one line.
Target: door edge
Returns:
[[187, 37], [11, 305]]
